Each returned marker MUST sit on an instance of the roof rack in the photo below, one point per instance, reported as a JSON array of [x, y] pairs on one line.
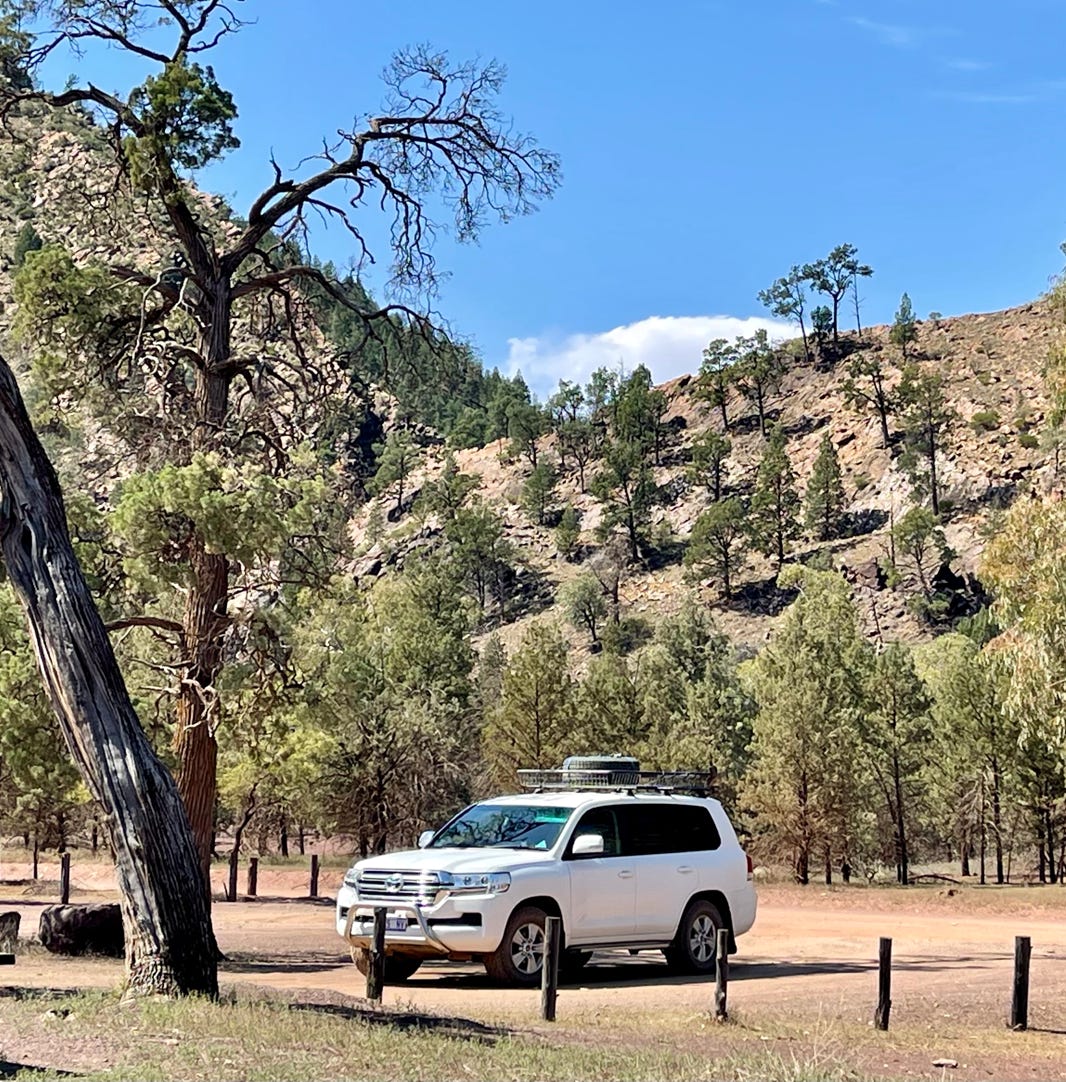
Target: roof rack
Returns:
[[696, 782]]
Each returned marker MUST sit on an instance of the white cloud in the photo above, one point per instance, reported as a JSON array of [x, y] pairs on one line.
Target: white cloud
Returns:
[[669, 345]]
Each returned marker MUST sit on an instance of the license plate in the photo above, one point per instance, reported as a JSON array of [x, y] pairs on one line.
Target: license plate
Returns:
[[395, 924]]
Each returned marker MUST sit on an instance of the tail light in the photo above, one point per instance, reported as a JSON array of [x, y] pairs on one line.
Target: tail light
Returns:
[[751, 865]]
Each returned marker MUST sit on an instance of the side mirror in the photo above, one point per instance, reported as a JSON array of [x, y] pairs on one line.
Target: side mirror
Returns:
[[425, 838], [588, 845]]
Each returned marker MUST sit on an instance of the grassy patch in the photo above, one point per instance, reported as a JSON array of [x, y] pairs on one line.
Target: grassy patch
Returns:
[[97, 1036]]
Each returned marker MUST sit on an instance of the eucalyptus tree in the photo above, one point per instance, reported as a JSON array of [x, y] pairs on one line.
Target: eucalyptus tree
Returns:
[[211, 347]]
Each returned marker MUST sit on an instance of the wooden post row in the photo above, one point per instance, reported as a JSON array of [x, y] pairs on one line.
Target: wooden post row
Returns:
[[884, 983], [314, 876], [64, 879], [253, 877], [721, 976], [1019, 1000], [375, 974], [549, 974]]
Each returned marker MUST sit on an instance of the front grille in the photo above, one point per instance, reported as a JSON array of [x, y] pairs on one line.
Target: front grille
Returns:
[[416, 888]]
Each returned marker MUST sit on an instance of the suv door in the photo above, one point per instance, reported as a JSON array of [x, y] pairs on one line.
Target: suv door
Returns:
[[670, 845], [602, 888]]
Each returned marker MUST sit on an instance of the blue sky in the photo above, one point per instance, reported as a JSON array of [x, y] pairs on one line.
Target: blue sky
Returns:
[[706, 147]]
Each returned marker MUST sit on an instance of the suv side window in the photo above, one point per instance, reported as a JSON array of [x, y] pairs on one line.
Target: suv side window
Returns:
[[602, 821], [667, 828]]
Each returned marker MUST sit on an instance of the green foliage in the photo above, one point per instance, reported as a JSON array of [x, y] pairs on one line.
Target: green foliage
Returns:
[[904, 330], [774, 515], [447, 493], [482, 555], [758, 372], [40, 793], [787, 299], [535, 721], [1028, 441], [28, 240], [985, 421], [805, 784], [397, 457], [187, 120], [568, 532], [526, 423], [584, 605], [927, 419], [825, 493], [625, 634], [919, 539], [821, 326], [538, 491], [626, 487], [865, 388], [717, 375], [718, 546], [710, 450], [834, 276], [240, 510]]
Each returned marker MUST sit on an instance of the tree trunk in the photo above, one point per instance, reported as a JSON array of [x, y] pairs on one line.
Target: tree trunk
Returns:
[[933, 488], [997, 820], [204, 618], [170, 947], [901, 828]]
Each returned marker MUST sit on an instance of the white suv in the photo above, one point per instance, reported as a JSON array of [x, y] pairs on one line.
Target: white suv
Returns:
[[637, 867]]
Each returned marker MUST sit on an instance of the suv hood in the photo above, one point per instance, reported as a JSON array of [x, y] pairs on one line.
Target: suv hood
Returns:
[[457, 860]]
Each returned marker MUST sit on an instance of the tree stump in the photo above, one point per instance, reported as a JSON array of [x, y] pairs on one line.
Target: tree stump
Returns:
[[9, 932], [83, 929]]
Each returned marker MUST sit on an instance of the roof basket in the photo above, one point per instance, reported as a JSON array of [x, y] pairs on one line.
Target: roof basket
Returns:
[[698, 782]]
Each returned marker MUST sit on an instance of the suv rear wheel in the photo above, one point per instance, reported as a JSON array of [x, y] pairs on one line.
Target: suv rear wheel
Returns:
[[398, 967], [695, 944], [519, 958]]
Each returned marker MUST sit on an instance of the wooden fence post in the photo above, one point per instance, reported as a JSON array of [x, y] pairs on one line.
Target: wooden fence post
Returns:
[[1019, 1002], [721, 976], [64, 879], [884, 983], [375, 974], [314, 876], [549, 973], [253, 876]]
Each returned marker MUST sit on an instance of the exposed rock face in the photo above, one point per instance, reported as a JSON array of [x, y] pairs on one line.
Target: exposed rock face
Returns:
[[83, 929]]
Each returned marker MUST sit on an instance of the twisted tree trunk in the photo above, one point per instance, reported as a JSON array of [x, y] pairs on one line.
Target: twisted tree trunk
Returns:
[[170, 947]]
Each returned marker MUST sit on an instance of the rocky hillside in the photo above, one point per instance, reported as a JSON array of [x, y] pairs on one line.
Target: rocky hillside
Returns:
[[992, 366]]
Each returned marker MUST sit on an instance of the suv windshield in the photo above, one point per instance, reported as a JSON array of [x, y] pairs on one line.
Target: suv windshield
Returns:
[[508, 826]]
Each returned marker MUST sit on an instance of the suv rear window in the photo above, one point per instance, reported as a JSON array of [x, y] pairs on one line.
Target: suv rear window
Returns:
[[667, 828]]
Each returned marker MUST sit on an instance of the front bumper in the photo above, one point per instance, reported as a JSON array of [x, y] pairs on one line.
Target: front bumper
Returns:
[[469, 925]]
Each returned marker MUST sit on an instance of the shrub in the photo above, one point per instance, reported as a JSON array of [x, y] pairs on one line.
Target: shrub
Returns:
[[1028, 441], [985, 421]]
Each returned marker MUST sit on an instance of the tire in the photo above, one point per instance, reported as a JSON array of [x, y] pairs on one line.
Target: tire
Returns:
[[519, 958], [695, 944], [573, 962], [398, 967]]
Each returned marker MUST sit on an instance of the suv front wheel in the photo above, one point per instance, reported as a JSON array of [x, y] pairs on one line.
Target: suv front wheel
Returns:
[[519, 958], [695, 944]]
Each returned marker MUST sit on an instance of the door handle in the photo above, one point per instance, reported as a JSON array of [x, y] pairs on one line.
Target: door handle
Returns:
[[686, 869], [625, 874]]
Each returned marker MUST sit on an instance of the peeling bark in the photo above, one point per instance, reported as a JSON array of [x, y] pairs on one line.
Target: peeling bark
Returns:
[[170, 946]]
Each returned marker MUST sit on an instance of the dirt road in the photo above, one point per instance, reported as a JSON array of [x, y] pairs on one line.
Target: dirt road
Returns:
[[810, 955]]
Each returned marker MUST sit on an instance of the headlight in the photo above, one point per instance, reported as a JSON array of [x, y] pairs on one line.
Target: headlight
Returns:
[[475, 882], [351, 877]]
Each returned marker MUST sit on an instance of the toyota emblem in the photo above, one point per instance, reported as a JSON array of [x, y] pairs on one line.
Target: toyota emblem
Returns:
[[394, 883]]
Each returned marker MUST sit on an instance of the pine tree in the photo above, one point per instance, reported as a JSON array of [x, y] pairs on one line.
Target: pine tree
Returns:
[[897, 736], [717, 376], [866, 386], [582, 600], [758, 373], [568, 532], [447, 493], [806, 786], [538, 492], [904, 332], [536, 714], [709, 453], [825, 492], [719, 541], [626, 488], [774, 516], [397, 457], [927, 418]]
